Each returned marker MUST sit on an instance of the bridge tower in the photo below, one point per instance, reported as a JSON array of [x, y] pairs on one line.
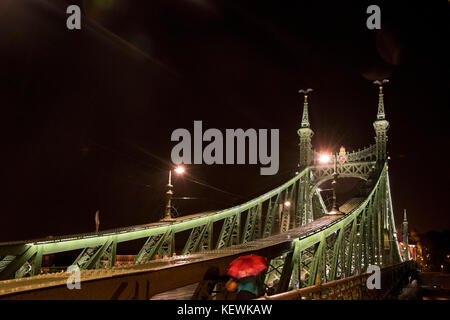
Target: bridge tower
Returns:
[[405, 234], [305, 133], [381, 126]]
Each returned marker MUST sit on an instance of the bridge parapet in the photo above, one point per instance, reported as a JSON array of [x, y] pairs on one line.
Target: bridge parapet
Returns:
[[258, 218], [332, 247], [349, 169], [324, 172], [353, 287], [366, 154], [243, 223]]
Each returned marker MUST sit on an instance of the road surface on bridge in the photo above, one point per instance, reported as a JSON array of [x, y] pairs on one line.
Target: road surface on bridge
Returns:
[[274, 246], [176, 271]]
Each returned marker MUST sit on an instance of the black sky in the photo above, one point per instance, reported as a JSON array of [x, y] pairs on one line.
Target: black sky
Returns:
[[87, 115]]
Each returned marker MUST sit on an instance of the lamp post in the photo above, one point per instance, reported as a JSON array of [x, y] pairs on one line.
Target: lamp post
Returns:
[[168, 213], [325, 158], [334, 209]]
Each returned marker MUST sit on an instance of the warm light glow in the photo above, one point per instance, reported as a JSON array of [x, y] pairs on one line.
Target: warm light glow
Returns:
[[324, 158], [287, 204], [318, 189], [332, 212], [179, 169]]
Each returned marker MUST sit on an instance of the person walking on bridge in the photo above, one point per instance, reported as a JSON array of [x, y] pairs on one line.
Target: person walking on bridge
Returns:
[[245, 273]]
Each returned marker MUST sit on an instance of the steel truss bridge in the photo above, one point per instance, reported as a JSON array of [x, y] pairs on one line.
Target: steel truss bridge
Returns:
[[301, 242]]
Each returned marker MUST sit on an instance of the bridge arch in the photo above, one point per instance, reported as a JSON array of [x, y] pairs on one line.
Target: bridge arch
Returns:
[[322, 173]]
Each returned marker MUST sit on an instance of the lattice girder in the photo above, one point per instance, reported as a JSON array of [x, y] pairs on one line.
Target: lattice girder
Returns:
[[353, 251]]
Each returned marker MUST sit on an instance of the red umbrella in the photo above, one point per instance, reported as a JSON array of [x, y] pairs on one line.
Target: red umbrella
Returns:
[[246, 266]]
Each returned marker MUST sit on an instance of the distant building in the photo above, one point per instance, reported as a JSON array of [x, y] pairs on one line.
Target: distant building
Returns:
[[408, 251]]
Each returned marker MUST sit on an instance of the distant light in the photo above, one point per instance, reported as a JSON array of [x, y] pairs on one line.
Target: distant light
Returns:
[[332, 212], [318, 189], [287, 203], [324, 158], [179, 169]]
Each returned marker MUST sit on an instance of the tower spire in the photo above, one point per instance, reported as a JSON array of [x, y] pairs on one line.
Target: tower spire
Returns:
[[405, 237], [380, 114], [381, 125], [305, 133], [305, 117]]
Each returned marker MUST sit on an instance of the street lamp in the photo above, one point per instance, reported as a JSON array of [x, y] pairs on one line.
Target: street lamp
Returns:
[[168, 213], [334, 209], [326, 158], [179, 169]]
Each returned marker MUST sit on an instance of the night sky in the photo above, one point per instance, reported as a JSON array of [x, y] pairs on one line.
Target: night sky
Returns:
[[87, 115]]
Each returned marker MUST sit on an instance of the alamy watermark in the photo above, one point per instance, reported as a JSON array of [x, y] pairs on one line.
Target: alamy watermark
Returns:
[[73, 21], [215, 153], [374, 20], [74, 279], [374, 280]]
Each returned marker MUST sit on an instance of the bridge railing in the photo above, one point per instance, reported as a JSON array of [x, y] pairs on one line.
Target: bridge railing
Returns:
[[366, 154], [365, 236], [328, 249], [240, 224], [350, 288], [353, 287], [257, 218]]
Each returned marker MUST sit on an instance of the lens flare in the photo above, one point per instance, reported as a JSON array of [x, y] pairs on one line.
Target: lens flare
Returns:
[[179, 170], [324, 158]]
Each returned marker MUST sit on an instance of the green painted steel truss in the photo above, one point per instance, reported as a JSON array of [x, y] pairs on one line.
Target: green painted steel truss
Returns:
[[365, 236], [362, 237]]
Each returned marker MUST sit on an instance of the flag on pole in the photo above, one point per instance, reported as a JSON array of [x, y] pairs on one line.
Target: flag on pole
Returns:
[[97, 220]]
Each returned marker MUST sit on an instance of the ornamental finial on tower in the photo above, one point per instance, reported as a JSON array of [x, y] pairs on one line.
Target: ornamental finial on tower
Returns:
[[380, 83], [305, 117]]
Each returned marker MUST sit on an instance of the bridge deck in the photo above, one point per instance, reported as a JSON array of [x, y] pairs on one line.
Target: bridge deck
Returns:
[[176, 271], [270, 246]]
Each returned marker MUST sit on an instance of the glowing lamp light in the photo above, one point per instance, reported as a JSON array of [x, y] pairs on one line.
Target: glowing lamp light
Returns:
[[324, 158], [332, 212], [179, 170], [287, 204]]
